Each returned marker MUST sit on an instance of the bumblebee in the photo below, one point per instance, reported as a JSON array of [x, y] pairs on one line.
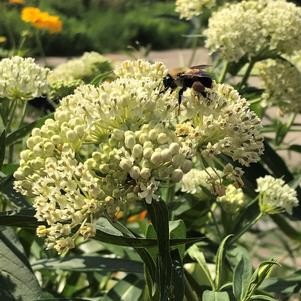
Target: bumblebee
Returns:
[[195, 77]]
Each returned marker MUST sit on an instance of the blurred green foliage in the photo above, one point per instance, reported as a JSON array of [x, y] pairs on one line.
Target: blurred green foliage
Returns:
[[102, 25]]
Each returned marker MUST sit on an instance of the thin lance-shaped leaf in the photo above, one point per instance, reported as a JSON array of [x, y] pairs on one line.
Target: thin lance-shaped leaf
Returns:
[[177, 276], [196, 254], [25, 218], [258, 277], [220, 257], [215, 296], [2, 147], [88, 263], [128, 289], [158, 213], [263, 297], [23, 131]]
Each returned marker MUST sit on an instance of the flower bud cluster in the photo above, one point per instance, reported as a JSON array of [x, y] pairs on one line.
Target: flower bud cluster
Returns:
[[190, 8], [22, 79], [281, 80], [222, 124], [141, 69], [120, 142], [233, 200], [251, 26], [85, 68], [139, 160], [275, 196]]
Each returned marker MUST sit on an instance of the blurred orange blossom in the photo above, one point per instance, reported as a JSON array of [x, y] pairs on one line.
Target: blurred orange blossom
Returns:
[[41, 20]]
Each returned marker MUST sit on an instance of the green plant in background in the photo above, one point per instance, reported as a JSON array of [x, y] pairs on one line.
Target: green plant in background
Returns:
[[146, 198]]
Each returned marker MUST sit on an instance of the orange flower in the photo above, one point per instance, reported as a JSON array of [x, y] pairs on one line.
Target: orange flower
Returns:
[[16, 1], [137, 217], [41, 20]]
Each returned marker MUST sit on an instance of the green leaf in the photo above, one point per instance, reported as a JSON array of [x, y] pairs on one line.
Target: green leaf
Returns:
[[89, 263], [177, 229], [158, 213], [128, 289], [263, 297], [25, 218], [2, 147], [196, 254], [259, 276], [23, 131], [17, 281], [215, 296], [241, 278], [285, 227], [177, 276], [220, 256]]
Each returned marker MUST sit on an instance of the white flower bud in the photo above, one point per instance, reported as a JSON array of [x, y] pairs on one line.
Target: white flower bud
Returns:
[[129, 139], [166, 155], [153, 134], [156, 158], [143, 138], [125, 164], [135, 172], [145, 173], [186, 166], [147, 153], [162, 138], [177, 175], [71, 135], [137, 151], [174, 148], [118, 134], [177, 160]]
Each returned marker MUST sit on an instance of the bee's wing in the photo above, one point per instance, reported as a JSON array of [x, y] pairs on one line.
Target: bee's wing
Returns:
[[200, 67]]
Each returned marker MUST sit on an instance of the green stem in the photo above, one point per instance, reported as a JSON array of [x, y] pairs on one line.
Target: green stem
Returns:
[[189, 293], [23, 114], [247, 227], [194, 50], [40, 46], [215, 222], [224, 73], [11, 114], [247, 74]]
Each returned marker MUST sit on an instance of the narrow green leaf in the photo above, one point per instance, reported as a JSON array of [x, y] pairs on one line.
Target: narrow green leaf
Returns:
[[158, 213], [177, 229], [17, 281], [2, 147], [285, 227], [220, 256], [241, 278], [89, 263], [177, 276], [23, 131], [25, 218], [215, 296], [260, 274], [196, 254], [263, 297], [128, 289]]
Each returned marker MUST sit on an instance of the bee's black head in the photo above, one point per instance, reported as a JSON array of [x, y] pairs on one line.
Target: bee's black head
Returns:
[[169, 82]]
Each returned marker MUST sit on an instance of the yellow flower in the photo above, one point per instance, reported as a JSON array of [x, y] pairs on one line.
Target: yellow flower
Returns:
[[16, 1], [2, 39], [41, 20]]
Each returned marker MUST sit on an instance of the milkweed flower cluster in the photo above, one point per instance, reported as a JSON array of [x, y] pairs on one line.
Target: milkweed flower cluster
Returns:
[[275, 196], [281, 80], [118, 143], [233, 199], [190, 8], [67, 76], [250, 27], [41, 20], [22, 79]]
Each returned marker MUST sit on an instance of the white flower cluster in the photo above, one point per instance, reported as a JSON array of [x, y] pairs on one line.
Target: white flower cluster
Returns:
[[222, 123], [275, 196], [190, 8], [251, 27], [110, 145], [233, 200], [281, 81], [22, 79], [85, 68]]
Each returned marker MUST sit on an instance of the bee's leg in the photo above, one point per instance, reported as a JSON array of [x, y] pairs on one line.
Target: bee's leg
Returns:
[[180, 95]]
